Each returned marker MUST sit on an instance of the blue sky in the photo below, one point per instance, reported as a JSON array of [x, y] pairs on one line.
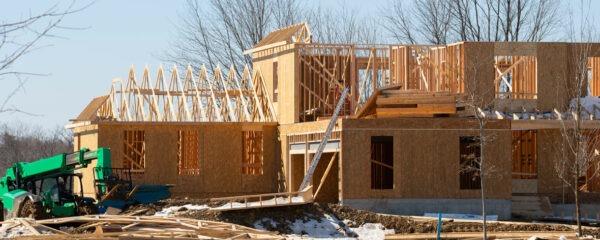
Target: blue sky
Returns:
[[82, 63]]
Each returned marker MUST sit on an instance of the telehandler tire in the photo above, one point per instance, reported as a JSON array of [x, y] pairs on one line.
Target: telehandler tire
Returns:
[[34, 210]]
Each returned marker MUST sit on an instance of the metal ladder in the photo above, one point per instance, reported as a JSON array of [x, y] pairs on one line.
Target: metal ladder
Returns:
[[317, 156]]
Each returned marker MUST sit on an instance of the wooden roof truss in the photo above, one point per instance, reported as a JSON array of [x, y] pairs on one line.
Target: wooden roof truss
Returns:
[[222, 97]]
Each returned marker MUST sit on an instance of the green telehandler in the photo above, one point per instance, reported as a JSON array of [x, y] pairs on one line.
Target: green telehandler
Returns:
[[45, 188]]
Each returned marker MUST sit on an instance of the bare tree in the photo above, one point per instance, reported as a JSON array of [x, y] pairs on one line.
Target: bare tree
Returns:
[[19, 38], [20, 142], [578, 152], [217, 32], [398, 23], [341, 25], [438, 22], [478, 99]]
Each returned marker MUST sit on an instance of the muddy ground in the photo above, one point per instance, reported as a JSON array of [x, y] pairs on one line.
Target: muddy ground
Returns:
[[281, 215]]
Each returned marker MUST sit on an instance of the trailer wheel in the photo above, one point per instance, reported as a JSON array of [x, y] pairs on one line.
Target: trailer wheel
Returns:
[[34, 210]]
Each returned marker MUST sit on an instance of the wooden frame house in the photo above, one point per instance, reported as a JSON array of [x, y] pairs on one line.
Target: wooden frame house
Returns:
[[399, 146]]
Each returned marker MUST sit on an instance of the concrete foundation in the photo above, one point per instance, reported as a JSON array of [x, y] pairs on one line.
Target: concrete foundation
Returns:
[[418, 207], [568, 210]]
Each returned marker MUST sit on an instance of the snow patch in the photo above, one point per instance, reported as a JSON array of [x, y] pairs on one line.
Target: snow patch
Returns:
[[328, 227], [260, 224], [7, 231], [372, 231], [166, 212]]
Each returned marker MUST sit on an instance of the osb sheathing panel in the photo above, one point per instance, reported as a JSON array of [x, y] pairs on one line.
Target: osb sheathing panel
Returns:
[[426, 158], [89, 139], [551, 69], [515, 49], [220, 147], [478, 66], [286, 105], [547, 157]]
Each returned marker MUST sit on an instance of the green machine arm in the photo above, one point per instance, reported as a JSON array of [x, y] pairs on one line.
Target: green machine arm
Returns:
[[62, 163]]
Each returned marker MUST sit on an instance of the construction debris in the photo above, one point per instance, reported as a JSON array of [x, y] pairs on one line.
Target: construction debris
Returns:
[[115, 226], [334, 220]]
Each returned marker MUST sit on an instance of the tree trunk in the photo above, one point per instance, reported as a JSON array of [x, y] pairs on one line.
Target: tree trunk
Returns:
[[578, 155], [481, 178], [577, 205]]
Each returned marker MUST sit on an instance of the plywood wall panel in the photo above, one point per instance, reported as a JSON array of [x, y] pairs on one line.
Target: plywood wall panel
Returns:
[[161, 156], [551, 69], [286, 105], [89, 139], [426, 161], [220, 153], [548, 155]]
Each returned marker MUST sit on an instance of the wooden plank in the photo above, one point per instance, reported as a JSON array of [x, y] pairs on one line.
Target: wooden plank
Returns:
[[427, 110], [29, 227], [325, 174], [395, 100]]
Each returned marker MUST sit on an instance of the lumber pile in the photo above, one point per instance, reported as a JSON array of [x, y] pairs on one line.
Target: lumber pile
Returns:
[[415, 103], [265, 200], [134, 227]]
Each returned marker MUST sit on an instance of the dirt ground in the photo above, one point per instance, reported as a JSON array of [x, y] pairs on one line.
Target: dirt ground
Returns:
[[315, 211]]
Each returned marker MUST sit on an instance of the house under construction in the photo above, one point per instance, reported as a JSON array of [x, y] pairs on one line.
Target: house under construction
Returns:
[[403, 140]]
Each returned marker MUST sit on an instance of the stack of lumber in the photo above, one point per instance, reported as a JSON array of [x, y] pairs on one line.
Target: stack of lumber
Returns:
[[134, 227], [265, 200], [413, 103]]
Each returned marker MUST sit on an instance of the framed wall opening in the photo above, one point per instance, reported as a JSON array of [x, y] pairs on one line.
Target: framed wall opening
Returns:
[[188, 154], [515, 77], [524, 154], [328, 180], [134, 151], [297, 171], [470, 152], [252, 153], [382, 162], [593, 75], [275, 81]]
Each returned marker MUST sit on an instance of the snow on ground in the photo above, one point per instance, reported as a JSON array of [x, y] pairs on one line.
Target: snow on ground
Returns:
[[372, 231], [280, 200], [328, 227], [21, 230], [165, 212]]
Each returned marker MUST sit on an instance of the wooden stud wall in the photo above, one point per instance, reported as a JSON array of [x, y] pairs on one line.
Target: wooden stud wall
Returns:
[[524, 154], [594, 75], [134, 145], [433, 68], [188, 153], [252, 158], [518, 74]]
